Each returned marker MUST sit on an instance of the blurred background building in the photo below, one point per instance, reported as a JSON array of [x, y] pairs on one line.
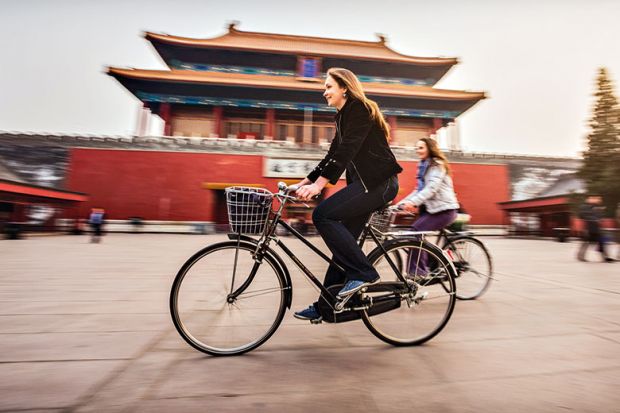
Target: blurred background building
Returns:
[[269, 87], [246, 108]]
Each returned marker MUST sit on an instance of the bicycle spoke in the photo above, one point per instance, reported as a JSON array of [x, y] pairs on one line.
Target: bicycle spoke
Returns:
[[256, 293], [436, 297]]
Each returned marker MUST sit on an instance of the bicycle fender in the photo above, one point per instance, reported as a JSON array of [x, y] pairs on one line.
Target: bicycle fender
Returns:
[[278, 260]]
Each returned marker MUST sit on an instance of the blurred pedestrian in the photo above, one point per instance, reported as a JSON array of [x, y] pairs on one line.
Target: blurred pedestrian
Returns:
[[96, 221], [591, 213], [618, 231]]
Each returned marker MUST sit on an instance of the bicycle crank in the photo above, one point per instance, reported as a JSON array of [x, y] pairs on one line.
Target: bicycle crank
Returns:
[[339, 306]]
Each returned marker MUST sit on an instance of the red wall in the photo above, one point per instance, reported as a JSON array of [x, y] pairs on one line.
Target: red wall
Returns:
[[156, 185], [479, 188], [168, 185]]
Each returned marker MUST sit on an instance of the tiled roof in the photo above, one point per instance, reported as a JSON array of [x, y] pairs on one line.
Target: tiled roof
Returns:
[[48, 142], [564, 185], [7, 174], [21, 188], [304, 45], [283, 82]]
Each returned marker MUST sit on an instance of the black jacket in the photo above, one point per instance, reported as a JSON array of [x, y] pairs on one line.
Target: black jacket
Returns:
[[361, 142], [591, 214]]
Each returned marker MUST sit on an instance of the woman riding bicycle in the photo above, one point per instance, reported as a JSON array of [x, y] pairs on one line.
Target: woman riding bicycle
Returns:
[[360, 147], [434, 199]]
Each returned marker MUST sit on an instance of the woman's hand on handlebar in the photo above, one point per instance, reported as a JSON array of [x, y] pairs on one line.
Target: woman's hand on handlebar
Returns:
[[310, 190], [293, 188], [407, 206], [307, 192]]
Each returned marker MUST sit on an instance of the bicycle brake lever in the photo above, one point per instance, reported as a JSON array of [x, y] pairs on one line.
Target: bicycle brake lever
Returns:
[[294, 199]]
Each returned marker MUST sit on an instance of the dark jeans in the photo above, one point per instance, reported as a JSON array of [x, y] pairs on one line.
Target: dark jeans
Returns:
[[590, 239], [340, 220], [418, 264], [96, 232]]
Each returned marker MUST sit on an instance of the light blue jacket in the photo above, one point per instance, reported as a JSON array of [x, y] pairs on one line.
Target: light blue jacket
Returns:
[[438, 193]]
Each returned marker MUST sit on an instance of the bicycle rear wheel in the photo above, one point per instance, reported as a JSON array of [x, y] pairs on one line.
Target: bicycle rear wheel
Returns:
[[425, 308], [209, 318], [474, 268]]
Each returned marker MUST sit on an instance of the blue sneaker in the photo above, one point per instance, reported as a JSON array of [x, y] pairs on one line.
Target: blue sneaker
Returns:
[[309, 313], [353, 286]]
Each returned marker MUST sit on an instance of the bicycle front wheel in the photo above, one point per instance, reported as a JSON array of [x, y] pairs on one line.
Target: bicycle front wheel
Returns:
[[426, 307], [474, 268], [223, 302]]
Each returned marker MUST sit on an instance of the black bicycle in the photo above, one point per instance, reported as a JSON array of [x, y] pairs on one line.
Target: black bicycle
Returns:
[[471, 258], [230, 297]]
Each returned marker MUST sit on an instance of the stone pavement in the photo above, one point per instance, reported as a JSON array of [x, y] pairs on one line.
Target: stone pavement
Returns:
[[85, 328]]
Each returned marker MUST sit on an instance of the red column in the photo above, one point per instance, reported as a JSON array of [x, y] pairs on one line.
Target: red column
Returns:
[[19, 212], [437, 124], [393, 125], [270, 118], [218, 115], [164, 113]]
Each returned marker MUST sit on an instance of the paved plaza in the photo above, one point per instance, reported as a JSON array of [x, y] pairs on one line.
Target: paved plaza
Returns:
[[85, 328]]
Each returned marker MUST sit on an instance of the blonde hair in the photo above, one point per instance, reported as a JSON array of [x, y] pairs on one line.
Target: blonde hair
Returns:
[[435, 153], [346, 79]]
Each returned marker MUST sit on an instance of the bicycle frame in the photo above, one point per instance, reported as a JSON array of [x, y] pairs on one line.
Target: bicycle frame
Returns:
[[242, 256], [269, 235]]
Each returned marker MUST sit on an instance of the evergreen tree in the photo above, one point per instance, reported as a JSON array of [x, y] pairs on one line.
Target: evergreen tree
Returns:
[[601, 160]]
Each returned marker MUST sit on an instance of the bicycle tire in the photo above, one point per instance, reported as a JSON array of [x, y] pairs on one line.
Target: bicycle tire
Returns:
[[205, 297], [469, 288], [407, 325]]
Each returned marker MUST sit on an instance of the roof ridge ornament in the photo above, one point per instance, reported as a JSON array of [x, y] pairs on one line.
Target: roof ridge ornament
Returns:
[[232, 26], [382, 38]]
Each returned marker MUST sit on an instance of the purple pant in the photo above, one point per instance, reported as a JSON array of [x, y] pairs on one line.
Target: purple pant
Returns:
[[418, 263]]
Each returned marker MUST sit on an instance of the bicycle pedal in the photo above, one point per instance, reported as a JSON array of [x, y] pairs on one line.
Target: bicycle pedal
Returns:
[[317, 321], [339, 306]]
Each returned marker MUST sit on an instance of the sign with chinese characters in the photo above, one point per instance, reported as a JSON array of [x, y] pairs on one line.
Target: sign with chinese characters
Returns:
[[288, 168]]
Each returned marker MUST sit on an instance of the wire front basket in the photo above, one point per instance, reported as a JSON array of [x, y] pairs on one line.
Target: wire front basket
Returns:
[[382, 220], [248, 209]]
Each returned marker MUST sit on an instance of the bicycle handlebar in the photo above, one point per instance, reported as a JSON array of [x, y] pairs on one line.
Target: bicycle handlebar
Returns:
[[395, 209], [284, 191]]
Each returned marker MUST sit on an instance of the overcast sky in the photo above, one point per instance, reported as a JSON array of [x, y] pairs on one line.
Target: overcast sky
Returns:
[[537, 60]]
